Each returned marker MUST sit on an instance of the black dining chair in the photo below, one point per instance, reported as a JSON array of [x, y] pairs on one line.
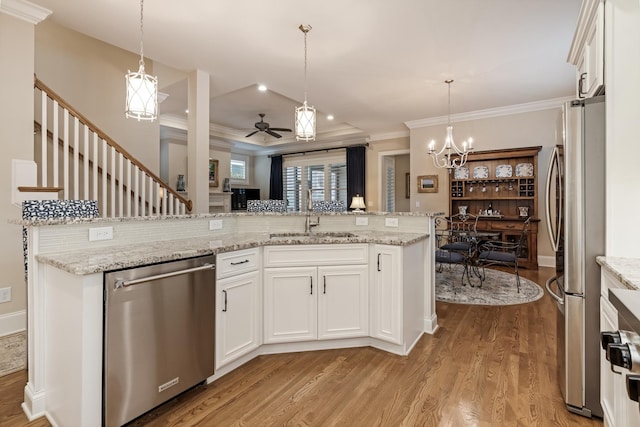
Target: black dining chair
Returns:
[[456, 244], [504, 253]]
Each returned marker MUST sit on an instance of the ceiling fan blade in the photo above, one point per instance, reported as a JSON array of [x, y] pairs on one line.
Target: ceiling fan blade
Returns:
[[252, 133], [270, 132], [281, 129]]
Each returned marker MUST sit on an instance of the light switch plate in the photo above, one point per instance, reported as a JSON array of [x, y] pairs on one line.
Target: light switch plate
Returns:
[[5, 295], [391, 222], [215, 224], [362, 220], [100, 233]]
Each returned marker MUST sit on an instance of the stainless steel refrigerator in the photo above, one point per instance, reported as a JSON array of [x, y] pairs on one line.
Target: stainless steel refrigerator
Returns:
[[576, 224]]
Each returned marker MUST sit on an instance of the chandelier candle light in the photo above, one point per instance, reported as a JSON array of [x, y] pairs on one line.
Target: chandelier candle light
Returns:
[[305, 114], [450, 156], [142, 89]]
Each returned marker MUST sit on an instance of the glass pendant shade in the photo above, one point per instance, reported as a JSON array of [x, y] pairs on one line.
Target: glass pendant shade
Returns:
[[142, 95], [305, 123]]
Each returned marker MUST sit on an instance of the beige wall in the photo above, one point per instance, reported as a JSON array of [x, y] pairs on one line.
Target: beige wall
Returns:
[[538, 128], [373, 167], [16, 142], [89, 75]]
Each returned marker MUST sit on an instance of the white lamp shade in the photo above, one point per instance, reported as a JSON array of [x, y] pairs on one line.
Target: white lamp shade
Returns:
[[305, 123], [357, 203], [142, 96]]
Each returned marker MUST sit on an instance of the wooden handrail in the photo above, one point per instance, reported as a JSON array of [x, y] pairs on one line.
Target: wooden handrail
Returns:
[[53, 95]]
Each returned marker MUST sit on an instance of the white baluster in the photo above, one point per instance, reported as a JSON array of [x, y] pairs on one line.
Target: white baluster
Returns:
[[94, 193], [120, 184], [136, 189], [76, 156], [143, 189], [43, 141], [85, 164], [128, 198], [105, 168], [113, 182], [54, 145], [151, 197], [170, 204], [65, 155]]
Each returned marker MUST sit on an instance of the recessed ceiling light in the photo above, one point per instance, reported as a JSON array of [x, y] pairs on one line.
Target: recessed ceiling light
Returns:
[[262, 88], [186, 111], [330, 117]]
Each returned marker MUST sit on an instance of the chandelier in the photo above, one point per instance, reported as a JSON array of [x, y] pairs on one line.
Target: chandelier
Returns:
[[305, 114], [142, 89], [450, 156]]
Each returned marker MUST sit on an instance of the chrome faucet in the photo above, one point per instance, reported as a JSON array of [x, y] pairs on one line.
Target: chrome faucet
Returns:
[[308, 224]]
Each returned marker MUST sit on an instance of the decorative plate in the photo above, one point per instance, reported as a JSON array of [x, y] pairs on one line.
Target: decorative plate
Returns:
[[480, 172], [524, 169], [504, 171], [461, 173]]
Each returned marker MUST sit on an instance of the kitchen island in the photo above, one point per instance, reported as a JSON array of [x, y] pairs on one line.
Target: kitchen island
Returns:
[[390, 255]]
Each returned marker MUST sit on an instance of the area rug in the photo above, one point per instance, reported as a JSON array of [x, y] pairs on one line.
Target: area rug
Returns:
[[499, 288]]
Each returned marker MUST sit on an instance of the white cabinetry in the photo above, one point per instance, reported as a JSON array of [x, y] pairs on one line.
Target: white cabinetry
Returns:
[[386, 293], [315, 292], [238, 305], [618, 409], [587, 49]]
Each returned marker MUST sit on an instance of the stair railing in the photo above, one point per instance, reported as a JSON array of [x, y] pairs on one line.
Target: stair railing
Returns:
[[87, 164]]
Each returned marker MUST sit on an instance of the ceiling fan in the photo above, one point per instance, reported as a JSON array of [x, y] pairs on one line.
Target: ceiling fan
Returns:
[[263, 126]]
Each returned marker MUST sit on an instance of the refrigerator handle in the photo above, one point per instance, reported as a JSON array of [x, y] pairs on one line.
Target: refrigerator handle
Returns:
[[553, 164], [558, 298]]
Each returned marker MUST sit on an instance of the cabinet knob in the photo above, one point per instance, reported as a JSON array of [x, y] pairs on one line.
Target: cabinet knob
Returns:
[[581, 92], [633, 387]]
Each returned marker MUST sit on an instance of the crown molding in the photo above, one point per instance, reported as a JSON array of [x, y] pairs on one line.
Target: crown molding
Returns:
[[389, 135], [491, 112], [27, 11]]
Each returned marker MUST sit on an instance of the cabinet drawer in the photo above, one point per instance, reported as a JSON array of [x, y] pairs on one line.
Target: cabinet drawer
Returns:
[[305, 255], [506, 226], [231, 263]]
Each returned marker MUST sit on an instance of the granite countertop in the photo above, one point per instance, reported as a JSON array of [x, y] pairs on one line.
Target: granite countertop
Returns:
[[119, 257], [626, 270]]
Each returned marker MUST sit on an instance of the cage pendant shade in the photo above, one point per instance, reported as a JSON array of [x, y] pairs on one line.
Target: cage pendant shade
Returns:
[[305, 123], [142, 95], [142, 89]]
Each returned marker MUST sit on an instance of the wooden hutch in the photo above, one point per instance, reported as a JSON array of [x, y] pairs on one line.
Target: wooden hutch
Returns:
[[501, 186]]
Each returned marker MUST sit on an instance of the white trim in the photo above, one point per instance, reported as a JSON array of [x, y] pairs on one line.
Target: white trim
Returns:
[[27, 11], [546, 261], [12, 323], [491, 112]]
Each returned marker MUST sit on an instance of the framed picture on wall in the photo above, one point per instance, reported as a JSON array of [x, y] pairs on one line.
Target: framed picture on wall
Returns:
[[428, 184], [213, 173]]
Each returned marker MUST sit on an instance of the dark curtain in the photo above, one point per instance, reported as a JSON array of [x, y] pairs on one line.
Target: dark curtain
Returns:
[[275, 181], [356, 174]]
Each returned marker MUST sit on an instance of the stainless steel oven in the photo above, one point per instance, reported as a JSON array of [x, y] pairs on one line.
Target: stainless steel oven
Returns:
[[158, 335]]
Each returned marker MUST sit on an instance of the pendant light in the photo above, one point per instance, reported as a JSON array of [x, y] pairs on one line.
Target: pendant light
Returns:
[[142, 89], [450, 156], [305, 114]]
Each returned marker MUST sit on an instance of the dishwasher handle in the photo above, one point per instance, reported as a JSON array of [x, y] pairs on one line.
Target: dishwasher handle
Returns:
[[124, 283]]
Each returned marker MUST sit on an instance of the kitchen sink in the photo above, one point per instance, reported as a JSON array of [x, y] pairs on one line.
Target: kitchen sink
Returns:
[[319, 235]]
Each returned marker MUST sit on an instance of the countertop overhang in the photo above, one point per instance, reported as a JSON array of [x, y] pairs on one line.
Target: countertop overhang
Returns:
[[127, 256]]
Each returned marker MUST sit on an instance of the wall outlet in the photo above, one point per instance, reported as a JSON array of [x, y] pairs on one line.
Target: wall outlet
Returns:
[[417, 203], [215, 224], [100, 233], [362, 220], [5, 295], [391, 222]]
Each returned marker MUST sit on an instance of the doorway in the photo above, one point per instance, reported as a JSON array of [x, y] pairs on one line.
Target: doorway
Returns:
[[393, 167]]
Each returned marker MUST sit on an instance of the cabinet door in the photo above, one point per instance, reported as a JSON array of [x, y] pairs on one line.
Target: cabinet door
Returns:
[[343, 301], [238, 316], [290, 304], [386, 293], [591, 62]]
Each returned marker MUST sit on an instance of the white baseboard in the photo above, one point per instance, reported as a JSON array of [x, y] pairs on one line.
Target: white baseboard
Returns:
[[546, 261], [13, 322]]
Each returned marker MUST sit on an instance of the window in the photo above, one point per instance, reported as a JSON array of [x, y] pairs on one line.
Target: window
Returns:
[[325, 176], [239, 169]]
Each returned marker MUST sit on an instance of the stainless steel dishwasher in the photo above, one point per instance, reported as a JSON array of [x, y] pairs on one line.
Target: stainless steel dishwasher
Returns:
[[159, 335]]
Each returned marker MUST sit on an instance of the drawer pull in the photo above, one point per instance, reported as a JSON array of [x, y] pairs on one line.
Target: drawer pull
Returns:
[[240, 262]]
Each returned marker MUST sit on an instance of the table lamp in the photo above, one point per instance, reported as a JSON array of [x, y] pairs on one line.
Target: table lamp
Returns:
[[357, 203]]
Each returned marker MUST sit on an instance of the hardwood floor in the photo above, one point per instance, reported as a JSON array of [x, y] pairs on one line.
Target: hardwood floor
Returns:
[[486, 366]]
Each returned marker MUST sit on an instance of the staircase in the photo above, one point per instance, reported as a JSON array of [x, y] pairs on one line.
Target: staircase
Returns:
[[78, 160]]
